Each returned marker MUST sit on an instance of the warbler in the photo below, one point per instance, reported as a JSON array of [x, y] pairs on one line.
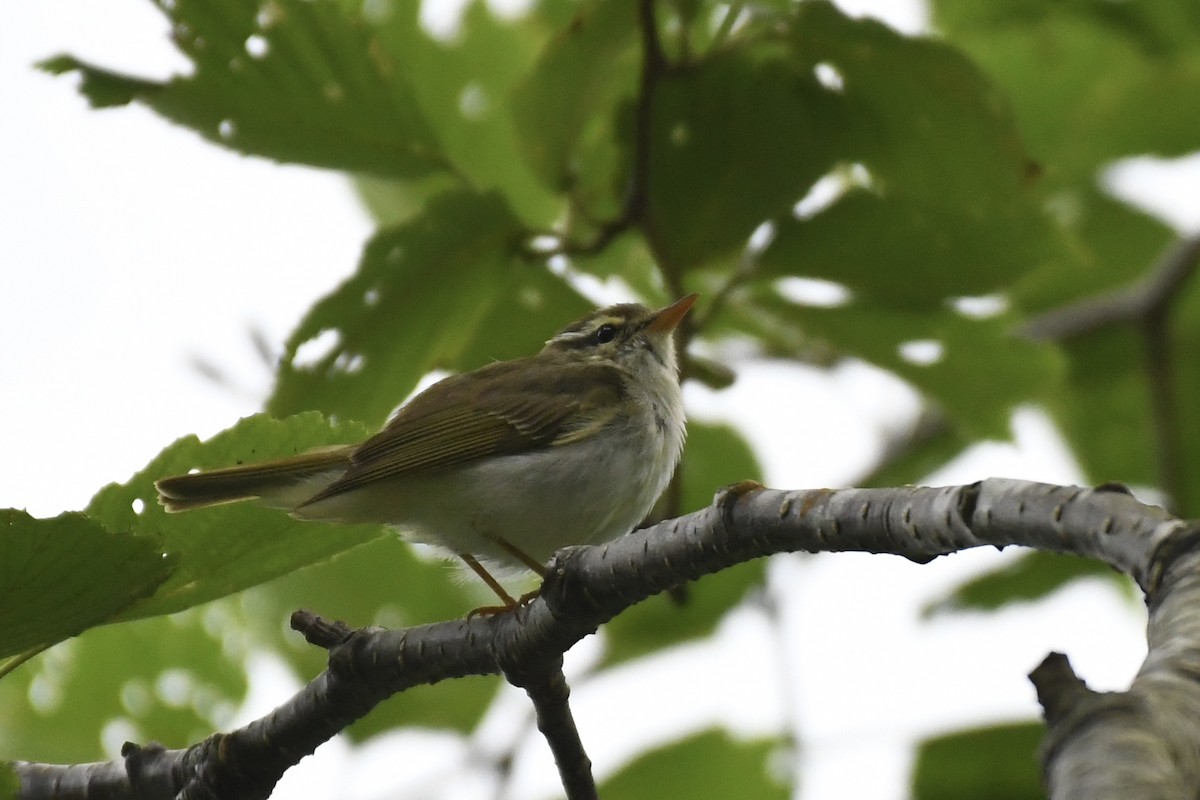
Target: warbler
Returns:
[[505, 464]]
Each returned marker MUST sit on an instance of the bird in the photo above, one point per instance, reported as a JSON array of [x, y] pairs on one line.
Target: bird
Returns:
[[503, 465]]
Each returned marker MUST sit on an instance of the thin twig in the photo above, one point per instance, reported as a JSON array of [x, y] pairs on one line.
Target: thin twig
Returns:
[[633, 206]]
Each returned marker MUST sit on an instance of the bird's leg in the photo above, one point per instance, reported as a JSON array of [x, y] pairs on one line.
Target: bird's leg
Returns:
[[493, 584], [505, 597], [518, 554]]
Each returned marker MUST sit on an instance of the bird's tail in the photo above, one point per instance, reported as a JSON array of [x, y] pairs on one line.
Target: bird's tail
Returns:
[[285, 483]]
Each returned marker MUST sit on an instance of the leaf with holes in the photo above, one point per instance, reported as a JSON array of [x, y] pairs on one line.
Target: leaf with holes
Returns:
[[224, 549], [917, 112], [289, 80], [463, 84], [445, 290]]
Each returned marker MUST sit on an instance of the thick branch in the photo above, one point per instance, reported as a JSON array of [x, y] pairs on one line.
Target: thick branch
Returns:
[[587, 586]]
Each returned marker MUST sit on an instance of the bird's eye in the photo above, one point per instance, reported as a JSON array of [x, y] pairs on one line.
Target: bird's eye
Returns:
[[605, 333]]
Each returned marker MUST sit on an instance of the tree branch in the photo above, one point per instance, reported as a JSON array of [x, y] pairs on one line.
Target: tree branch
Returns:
[[548, 690], [1146, 305], [588, 585], [1147, 297]]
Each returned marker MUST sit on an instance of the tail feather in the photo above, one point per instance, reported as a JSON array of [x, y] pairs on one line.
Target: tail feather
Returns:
[[285, 483]]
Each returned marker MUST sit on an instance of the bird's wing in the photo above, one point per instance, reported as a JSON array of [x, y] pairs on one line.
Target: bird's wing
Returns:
[[504, 408]]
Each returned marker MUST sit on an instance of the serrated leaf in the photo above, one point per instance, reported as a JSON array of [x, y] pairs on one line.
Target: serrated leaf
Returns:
[[1033, 576], [289, 80], [996, 763], [61, 576], [445, 290], [716, 456], [463, 86], [709, 764], [224, 549]]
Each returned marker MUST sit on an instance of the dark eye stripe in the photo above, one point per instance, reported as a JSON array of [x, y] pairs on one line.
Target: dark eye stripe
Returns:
[[583, 339]]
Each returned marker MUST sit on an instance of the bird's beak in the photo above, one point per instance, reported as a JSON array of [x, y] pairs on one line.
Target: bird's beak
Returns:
[[669, 317]]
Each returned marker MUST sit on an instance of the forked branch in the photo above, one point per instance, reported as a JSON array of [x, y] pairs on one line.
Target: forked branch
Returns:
[[589, 585]]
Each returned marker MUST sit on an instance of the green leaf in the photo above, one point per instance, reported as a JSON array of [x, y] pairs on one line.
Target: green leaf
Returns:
[[629, 259], [898, 250], [1110, 244], [1089, 81], [102, 88], [61, 576], [444, 290], [920, 115], [1033, 576], [224, 549], [564, 107], [174, 679], [10, 784], [463, 87], [289, 80], [716, 456], [709, 764], [734, 141], [996, 763], [1104, 407]]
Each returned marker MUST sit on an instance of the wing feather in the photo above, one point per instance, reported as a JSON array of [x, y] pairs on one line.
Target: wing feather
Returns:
[[504, 408]]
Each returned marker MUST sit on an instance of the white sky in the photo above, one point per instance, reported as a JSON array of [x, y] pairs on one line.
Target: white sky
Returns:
[[112, 283]]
